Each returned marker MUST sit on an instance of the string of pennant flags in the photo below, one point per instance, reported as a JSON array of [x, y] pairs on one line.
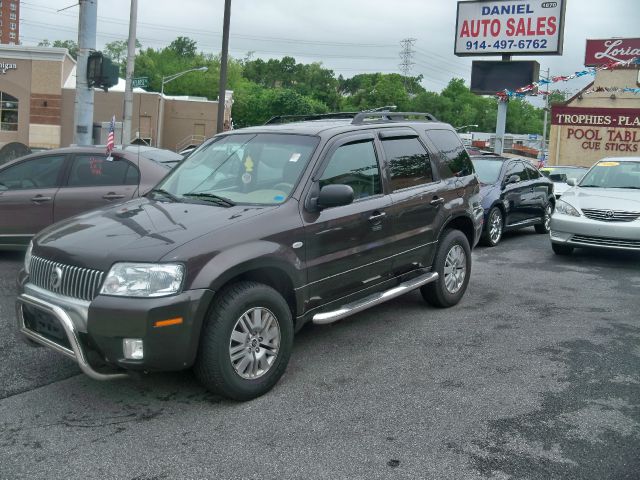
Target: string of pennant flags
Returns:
[[529, 90]]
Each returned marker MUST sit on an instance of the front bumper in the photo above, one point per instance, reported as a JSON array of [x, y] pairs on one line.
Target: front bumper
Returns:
[[584, 232], [92, 333]]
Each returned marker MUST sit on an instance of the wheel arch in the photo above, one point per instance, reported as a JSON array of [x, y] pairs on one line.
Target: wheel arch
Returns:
[[462, 223]]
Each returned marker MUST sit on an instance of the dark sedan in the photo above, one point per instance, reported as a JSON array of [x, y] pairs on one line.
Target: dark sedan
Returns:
[[40, 189], [514, 195]]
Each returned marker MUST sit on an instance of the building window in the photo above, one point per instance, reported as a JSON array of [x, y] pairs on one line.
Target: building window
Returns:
[[12, 6], [12, 35], [12, 26], [8, 112], [12, 16]]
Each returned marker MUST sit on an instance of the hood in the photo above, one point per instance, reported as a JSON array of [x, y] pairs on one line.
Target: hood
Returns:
[[142, 230], [560, 187], [620, 199]]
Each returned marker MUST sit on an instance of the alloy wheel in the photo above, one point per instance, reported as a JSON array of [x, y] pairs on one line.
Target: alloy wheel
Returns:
[[255, 342], [495, 227], [548, 210], [455, 269]]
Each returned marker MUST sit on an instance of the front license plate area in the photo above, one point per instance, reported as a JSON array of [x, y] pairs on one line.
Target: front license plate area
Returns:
[[45, 324]]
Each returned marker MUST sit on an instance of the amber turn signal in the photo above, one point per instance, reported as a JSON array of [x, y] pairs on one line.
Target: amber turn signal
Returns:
[[169, 322]]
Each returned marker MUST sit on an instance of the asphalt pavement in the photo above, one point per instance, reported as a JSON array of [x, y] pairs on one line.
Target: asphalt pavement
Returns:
[[534, 375]]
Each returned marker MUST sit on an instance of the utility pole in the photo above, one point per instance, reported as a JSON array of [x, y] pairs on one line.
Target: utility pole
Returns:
[[501, 121], [128, 90], [406, 57], [222, 87], [83, 107], [544, 128]]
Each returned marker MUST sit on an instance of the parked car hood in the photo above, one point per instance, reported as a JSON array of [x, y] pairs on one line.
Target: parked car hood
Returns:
[[560, 188], [603, 198], [141, 230]]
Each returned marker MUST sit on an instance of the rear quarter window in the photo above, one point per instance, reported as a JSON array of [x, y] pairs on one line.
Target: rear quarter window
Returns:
[[453, 159]]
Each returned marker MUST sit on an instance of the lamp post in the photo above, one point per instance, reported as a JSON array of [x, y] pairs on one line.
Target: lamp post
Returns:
[[465, 126], [166, 80]]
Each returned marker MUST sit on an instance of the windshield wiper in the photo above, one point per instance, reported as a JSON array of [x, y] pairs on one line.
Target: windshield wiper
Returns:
[[587, 186], [213, 197], [634, 188], [169, 195]]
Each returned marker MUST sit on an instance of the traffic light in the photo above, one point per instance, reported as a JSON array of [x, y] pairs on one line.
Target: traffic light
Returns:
[[101, 71]]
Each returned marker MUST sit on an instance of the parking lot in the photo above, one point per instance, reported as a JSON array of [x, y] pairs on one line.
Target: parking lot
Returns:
[[534, 375]]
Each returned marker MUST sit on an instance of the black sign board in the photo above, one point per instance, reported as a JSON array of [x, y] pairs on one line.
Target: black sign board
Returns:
[[488, 78]]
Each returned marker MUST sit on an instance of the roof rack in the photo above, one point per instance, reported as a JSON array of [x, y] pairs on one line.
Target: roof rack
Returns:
[[386, 116], [301, 118]]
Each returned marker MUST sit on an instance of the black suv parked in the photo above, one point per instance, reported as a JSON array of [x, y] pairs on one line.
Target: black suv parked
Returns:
[[257, 232]]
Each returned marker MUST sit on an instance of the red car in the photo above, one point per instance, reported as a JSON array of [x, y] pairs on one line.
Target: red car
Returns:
[[40, 189]]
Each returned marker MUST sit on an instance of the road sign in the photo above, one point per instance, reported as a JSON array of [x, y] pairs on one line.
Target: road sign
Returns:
[[140, 82]]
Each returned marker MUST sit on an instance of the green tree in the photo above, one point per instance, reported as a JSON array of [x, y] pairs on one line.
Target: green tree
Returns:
[[117, 51]]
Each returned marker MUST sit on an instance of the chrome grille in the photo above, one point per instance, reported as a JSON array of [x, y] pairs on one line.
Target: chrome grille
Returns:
[[606, 242], [77, 282], [610, 215]]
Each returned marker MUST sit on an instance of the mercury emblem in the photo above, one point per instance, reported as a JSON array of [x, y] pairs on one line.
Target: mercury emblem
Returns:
[[55, 279]]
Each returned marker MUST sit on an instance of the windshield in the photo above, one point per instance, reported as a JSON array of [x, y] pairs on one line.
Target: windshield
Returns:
[[562, 174], [488, 170], [613, 174], [251, 169]]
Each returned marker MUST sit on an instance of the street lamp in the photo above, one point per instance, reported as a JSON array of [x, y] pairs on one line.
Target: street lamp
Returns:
[[465, 126], [165, 80]]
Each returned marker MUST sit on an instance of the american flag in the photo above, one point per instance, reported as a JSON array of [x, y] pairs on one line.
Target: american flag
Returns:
[[111, 140]]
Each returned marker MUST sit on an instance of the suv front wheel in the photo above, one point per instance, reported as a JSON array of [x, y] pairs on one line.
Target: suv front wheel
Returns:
[[246, 342], [453, 264]]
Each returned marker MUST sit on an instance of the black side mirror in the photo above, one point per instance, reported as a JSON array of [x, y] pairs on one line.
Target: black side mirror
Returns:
[[334, 196]]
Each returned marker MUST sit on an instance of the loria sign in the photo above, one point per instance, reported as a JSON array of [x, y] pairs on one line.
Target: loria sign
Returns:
[[4, 67], [602, 52]]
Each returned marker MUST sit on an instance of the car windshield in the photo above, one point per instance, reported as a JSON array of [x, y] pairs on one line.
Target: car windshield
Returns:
[[562, 174], [488, 170], [256, 169], [613, 174]]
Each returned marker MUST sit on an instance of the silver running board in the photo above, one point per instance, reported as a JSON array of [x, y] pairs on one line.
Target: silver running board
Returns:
[[374, 299]]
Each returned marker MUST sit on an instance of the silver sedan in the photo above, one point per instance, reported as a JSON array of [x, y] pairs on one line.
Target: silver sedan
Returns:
[[602, 211]]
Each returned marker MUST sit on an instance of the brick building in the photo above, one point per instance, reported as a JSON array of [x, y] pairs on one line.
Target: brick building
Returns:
[[10, 22]]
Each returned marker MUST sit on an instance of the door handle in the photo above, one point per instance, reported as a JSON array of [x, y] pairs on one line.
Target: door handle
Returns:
[[531, 189], [437, 201], [40, 199], [112, 196], [376, 216]]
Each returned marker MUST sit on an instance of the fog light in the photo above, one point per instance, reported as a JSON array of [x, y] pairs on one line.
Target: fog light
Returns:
[[133, 348], [562, 236]]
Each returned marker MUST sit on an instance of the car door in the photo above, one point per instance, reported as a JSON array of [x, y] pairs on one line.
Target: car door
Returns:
[[347, 247], [417, 197], [93, 181], [27, 193], [514, 194], [538, 192]]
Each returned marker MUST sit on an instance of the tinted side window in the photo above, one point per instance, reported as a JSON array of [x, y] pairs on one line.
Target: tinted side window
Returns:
[[409, 163], [455, 159], [35, 173], [516, 168], [96, 170], [356, 165], [532, 173]]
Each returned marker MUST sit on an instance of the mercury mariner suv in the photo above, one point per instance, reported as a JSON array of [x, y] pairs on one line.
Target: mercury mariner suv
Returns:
[[256, 233]]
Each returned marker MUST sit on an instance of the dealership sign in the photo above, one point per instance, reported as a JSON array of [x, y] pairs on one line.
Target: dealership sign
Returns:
[[602, 52], [599, 129], [509, 27]]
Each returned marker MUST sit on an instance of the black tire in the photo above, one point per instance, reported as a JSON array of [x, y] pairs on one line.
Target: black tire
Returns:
[[543, 227], [492, 231], [561, 249], [438, 293], [214, 367]]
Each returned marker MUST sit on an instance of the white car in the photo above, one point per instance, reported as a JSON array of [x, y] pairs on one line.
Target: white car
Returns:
[[561, 174], [602, 211]]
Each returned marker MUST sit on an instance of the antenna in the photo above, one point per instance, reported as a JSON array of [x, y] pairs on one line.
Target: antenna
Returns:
[[406, 57]]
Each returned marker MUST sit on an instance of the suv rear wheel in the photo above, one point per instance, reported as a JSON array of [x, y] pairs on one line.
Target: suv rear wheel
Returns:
[[246, 342], [453, 264]]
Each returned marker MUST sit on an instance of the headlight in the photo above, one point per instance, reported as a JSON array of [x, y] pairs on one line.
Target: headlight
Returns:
[[143, 279], [27, 257], [566, 209]]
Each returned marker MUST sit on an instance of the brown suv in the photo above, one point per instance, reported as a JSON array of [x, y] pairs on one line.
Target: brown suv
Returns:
[[257, 232]]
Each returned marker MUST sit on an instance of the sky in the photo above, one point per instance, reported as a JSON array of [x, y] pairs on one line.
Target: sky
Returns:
[[347, 36]]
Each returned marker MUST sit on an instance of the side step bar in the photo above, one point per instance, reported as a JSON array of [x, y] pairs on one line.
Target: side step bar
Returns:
[[374, 299]]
